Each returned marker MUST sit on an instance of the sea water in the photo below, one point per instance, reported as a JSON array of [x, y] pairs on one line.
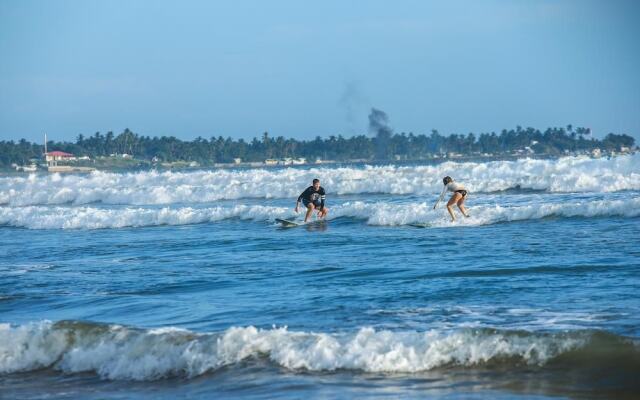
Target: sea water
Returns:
[[182, 285]]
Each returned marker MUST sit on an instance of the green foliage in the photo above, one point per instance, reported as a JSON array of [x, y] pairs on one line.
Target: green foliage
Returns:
[[553, 141]]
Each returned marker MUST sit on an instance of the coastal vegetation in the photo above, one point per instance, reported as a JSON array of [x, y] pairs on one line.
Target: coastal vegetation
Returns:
[[381, 144]]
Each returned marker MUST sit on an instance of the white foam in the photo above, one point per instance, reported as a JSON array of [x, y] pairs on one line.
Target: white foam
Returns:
[[388, 214], [456, 317], [40, 217], [117, 352], [570, 174], [379, 213]]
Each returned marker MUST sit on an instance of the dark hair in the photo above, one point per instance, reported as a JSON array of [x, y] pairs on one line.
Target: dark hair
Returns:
[[316, 181], [447, 179]]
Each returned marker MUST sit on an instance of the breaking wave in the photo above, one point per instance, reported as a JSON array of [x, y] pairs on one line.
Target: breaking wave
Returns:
[[380, 213], [570, 174], [394, 215], [39, 217], [123, 353]]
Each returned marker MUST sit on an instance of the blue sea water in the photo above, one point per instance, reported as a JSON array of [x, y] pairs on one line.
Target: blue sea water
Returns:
[[182, 285]]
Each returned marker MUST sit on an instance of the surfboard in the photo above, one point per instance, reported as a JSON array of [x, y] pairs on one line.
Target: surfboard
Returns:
[[287, 223], [420, 225]]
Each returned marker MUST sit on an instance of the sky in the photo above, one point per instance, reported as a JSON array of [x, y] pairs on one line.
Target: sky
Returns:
[[305, 69]]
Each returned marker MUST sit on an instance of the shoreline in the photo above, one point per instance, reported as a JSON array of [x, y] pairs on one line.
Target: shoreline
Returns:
[[260, 165]]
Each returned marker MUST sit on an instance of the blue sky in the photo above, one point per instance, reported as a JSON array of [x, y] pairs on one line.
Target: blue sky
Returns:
[[301, 69]]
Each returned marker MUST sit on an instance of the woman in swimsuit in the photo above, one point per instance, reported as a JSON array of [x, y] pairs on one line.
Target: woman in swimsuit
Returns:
[[459, 194]]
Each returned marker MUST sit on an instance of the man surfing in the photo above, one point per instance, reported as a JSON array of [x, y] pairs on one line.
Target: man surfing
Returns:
[[313, 199]]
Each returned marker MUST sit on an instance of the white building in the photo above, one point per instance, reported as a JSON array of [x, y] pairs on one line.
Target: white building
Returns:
[[53, 157]]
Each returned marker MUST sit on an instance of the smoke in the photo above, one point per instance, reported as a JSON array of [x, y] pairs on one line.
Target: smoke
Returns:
[[379, 125], [352, 101]]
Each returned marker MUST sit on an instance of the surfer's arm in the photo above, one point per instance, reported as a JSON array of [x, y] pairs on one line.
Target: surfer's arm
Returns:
[[300, 199], [440, 198], [301, 196]]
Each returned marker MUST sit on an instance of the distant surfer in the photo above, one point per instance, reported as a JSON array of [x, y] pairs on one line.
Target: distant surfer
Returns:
[[459, 194], [313, 199]]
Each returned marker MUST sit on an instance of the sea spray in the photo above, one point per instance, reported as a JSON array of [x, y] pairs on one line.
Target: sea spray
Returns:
[[373, 213], [564, 175]]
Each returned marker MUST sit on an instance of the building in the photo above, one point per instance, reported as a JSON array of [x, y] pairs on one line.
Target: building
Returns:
[[53, 157]]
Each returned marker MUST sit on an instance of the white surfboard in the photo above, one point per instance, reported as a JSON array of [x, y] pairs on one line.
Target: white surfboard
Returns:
[[287, 223], [420, 225]]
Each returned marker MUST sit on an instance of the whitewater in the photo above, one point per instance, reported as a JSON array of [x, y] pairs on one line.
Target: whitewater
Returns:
[[181, 284], [565, 175], [118, 352]]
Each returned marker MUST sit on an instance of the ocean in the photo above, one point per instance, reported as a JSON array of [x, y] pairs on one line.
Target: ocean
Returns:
[[168, 284]]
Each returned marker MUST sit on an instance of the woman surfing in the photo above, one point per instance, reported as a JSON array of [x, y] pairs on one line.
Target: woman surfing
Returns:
[[458, 197]]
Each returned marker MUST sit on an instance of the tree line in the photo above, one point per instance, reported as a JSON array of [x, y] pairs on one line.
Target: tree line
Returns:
[[383, 145]]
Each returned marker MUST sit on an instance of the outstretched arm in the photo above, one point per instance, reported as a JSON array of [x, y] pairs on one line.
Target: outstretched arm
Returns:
[[444, 190]]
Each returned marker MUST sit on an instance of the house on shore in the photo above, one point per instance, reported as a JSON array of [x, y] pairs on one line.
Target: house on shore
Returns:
[[54, 157]]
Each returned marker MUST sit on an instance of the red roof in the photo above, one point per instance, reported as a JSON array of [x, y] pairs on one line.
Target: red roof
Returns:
[[59, 154]]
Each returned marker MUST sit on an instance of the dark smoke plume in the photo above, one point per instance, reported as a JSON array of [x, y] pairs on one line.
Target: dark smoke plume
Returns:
[[379, 125]]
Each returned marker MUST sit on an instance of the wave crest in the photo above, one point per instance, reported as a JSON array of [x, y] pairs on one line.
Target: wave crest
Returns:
[[570, 174], [118, 352], [380, 213]]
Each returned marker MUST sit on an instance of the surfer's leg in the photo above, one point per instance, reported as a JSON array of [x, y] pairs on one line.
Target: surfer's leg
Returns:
[[453, 200], [323, 213], [463, 210], [310, 208]]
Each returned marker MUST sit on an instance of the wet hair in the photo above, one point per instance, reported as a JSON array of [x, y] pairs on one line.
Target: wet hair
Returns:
[[316, 181], [447, 179]]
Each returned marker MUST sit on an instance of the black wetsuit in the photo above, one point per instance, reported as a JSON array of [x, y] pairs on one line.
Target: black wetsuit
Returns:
[[313, 196]]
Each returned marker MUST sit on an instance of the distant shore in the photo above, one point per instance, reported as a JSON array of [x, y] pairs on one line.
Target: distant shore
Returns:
[[134, 165]]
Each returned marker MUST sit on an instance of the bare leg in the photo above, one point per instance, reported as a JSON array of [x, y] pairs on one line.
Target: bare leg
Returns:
[[463, 210], [453, 200], [323, 213], [310, 208]]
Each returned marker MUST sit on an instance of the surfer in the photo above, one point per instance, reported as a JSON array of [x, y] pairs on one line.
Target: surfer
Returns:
[[459, 194], [313, 199]]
